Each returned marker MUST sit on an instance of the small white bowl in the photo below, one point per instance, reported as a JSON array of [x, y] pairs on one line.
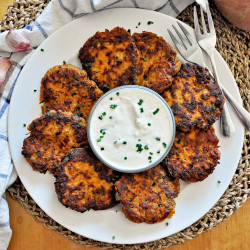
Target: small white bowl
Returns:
[[93, 118]]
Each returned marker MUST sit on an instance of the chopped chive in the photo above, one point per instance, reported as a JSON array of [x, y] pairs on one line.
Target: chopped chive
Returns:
[[141, 110], [111, 98], [150, 153], [139, 23], [76, 78], [139, 148], [24, 125], [95, 198], [139, 139], [88, 87], [156, 111], [102, 131], [150, 161], [124, 142], [158, 138], [150, 22], [117, 93], [113, 106], [145, 76], [140, 102], [82, 105], [145, 59], [178, 73], [146, 147], [213, 107], [187, 106], [219, 181], [101, 136], [102, 149], [195, 157], [166, 223], [149, 157], [42, 50], [159, 204], [111, 117], [88, 64], [158, 152], [100, 117], [64, 62], [149, 124], [177, 153], [98, 140], [104, 113], [179, 141], [113, 237], [164, 144], [106, 86], [125, 158]]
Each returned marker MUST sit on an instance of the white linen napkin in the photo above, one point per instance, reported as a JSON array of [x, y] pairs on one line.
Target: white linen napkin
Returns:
[[55, 15]]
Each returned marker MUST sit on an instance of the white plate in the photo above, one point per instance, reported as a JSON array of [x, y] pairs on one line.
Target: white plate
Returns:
[[194, 200]]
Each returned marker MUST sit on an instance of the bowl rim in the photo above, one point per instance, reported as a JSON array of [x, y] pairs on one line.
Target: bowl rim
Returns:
[[144, 168]]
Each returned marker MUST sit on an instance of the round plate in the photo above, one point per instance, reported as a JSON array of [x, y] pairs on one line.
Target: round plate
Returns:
[[194, 200]]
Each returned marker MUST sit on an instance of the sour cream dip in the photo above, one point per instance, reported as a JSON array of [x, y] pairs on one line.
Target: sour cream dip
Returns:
[[131, 128]]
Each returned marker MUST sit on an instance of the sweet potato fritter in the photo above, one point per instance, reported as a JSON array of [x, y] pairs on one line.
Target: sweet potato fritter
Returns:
[[51, 136], [158, 62], [194, 155], [147, 196], [196, 100], [67, 88], [110, 58], [83, 182]]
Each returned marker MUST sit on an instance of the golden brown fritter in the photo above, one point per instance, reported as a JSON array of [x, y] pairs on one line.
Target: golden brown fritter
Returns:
[[196, 100], [110, 58], [147, 196], [194, 155], [83, 182], [158, 62], [51, 136], [67, 88]]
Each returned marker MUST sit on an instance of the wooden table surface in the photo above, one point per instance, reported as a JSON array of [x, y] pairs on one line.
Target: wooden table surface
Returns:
[[29, 234]]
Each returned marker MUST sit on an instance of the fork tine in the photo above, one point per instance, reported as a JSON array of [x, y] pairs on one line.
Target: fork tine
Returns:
[[180, 36], [175, 41], [203, 22], [196, 23], [187, 34], [210, 20]]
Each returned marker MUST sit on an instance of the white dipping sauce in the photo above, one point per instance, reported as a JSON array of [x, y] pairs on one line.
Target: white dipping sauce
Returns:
[[131, 128]]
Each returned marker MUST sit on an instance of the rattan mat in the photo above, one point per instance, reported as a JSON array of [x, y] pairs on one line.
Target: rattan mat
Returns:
[[233, 45]]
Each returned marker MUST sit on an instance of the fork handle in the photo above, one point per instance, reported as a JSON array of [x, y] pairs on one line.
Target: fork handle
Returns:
[[227, 126]]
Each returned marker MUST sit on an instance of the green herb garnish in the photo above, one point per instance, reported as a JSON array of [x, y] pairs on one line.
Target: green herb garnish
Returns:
[[213, 107], [158, 138], [140, 102], [111, 98], [24, 125], [113, 237], [150, 22], [145, 76], [113, 106], [164, 144], [64, 62], [98, 140], [100, 117], [158, 152], [102, 149], [111, 117], [149, 124], [141, 110], [156, 111], [125, 158], [139, 148], [151, 153], [124, 142], [104, 113], [76, 78], [145, 59], [82, 105], [219, 181], [117, 93], [146, 147], [88, 64], [178, 73], [42, 50]]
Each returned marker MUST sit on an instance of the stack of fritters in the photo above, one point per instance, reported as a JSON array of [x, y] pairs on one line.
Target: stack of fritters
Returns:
[[114, 58], [196, 101], [51, 136], [83, 182], [68, 88], [58, 140], [147, 196]]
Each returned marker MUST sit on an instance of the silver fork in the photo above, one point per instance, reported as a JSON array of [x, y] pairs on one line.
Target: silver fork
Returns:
[[207, 42], [193, 53]]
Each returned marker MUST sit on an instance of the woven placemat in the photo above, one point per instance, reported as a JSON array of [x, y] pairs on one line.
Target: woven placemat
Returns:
[[233, 45]]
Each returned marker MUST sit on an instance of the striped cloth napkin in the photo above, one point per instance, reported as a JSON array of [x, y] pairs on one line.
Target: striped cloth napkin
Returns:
[[55, 15]]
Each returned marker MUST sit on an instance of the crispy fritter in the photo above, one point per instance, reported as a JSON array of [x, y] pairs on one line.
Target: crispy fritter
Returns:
[[147, 196], [158, 62], [67, 88], [83, 182], [110, 58], [196, 100], [51, 136], [194, 155]]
